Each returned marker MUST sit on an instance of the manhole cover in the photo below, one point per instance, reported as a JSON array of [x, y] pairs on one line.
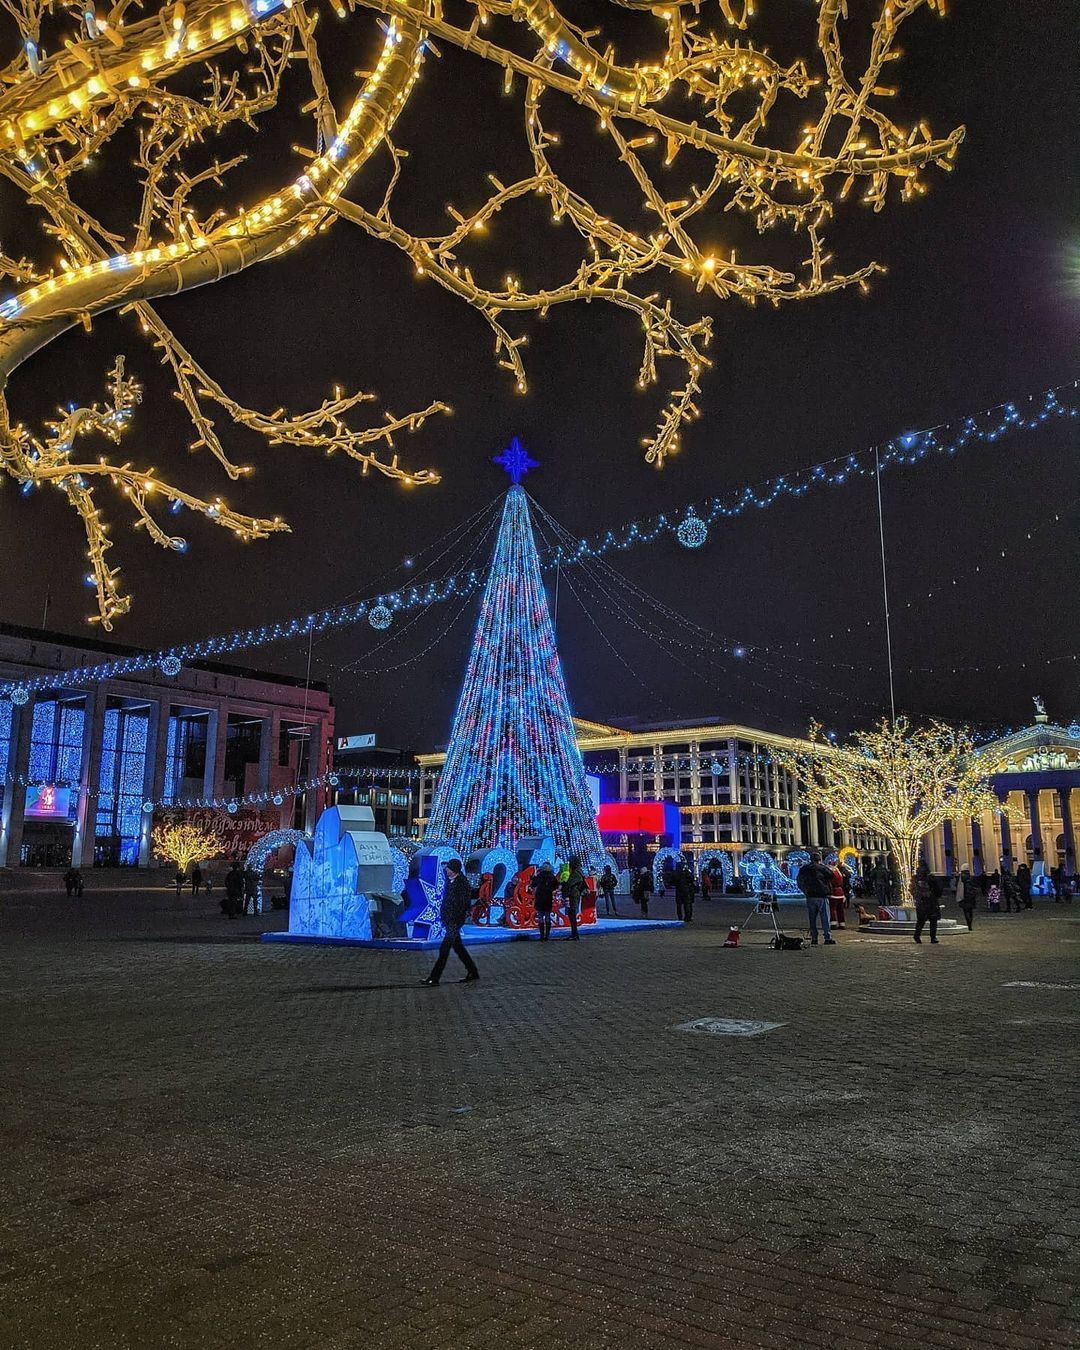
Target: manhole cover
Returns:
[[727, 1026]]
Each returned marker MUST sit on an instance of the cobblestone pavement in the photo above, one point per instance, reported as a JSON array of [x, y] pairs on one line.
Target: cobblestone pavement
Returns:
[[209, 1141]]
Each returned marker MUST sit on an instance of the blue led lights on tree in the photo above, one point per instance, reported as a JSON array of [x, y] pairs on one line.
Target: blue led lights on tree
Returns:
[[513, 768]]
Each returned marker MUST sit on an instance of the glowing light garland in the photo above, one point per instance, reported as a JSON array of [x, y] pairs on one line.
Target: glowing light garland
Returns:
[[463, 584], [513, 768], [59, 111]]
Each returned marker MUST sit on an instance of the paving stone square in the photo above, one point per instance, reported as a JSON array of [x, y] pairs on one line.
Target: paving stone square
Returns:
[[210, 1141]]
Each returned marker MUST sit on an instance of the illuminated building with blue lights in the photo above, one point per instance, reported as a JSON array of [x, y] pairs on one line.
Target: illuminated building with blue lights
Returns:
[[80, 765]]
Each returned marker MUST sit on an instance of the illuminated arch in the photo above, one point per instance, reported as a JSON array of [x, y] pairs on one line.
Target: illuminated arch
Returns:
[[262, 848]]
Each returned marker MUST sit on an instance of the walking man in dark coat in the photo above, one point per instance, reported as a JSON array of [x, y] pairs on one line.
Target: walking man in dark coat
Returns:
[[233, 904], [251, 889], [927, 890], [454, 910], [572, 889]]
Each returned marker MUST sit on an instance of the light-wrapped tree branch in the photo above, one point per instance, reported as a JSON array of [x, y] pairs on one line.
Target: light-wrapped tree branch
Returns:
[[692, 130]]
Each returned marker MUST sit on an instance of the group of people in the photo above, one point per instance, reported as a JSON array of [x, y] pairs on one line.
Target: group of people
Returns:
[[681, 880], [241, 889], [199, 880]]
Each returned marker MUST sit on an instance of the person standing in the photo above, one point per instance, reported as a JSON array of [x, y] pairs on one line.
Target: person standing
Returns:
[[1010, 889], [196, 879], [543, 886], [706, 883], [453, 911], [815, 881], [683, 883], [641, 889], [251, 888], [967, 895], [572, 886], [1023, 880], [1057, 880], [879, 879], [926, 890], [836, 895], [233, 902], [180, 879], [607, 890]]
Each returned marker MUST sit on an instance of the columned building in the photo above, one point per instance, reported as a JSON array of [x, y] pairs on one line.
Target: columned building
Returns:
[[1034, 773], [79, 762], [731, 794]]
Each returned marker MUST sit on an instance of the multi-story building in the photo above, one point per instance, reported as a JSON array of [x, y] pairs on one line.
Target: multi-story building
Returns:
[[380, 777], [731, 794], [82, 762]]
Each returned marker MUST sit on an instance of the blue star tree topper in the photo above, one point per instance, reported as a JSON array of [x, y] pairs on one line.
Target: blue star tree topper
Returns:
[[516, 461]]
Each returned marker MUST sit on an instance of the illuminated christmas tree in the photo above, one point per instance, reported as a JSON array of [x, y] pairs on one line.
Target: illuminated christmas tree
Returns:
[[513, 768]]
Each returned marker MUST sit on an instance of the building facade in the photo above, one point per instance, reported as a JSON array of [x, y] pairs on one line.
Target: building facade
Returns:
[[1034, 773], [81, 763], [730, 793]]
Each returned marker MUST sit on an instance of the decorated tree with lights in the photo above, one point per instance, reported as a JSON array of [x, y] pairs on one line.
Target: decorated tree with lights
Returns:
[[183, 844], [712, 123], [897, 780], [513, 768]]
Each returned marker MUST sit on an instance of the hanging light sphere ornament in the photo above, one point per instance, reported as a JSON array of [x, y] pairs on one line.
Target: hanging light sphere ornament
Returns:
[[20, 695], [692, 532], [231, 808], [148, 808], [279, 800], [170, 666], [380, 617]]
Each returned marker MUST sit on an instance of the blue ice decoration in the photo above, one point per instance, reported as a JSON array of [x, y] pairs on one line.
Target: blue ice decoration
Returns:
[[346, 862], [763, 873]]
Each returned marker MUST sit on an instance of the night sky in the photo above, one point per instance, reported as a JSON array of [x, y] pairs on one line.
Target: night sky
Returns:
[[981, 304]]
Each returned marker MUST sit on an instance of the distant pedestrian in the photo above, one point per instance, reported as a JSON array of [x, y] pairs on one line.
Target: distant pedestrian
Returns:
[[706, 883], [683, 883], [1023, 880], [815, 881], [233, 900], [641, 889], [1057, 880], [572, 887], [993, 892], [251, 889], [453, 911], [73, 882], [1010, 889], [836, 895], [543, 886], [608, 883], [967, 895], [926, 890], [879, 880], [196, 879], [180, 879]]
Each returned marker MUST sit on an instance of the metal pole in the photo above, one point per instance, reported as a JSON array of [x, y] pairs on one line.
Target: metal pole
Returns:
[[885, 584], [45, 610], [558, 571]]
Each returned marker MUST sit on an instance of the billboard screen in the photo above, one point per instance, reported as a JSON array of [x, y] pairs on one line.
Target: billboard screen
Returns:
[[45, 801]]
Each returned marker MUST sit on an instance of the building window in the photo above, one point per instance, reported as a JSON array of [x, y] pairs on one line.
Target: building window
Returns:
[[56, 741], [118, 825], [185, 752], [243, 744]]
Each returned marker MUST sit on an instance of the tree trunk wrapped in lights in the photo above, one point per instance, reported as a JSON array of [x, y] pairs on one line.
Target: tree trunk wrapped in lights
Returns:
[[897, 780], [85, 78]]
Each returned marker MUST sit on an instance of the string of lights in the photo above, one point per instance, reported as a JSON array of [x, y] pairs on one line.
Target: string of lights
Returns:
[[381, 610]]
